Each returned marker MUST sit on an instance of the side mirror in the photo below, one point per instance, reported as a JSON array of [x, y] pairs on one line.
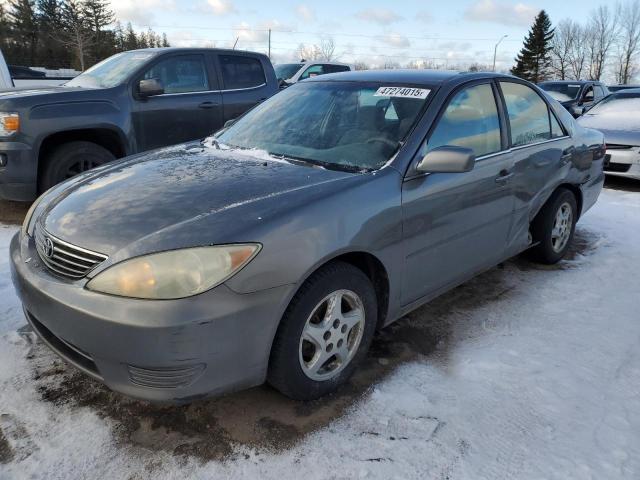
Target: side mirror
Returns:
[[282, 83], [228, 123], [447, 159], [150, 87]]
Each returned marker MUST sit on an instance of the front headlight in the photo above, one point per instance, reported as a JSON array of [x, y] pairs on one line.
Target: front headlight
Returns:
[[174, 274], [9, 123]]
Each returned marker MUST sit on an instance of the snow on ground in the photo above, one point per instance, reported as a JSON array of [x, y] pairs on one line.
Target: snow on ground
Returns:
[[534, 372]]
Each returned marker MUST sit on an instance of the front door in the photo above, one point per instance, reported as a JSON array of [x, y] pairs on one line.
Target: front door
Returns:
[[190, 107], [457, 224]]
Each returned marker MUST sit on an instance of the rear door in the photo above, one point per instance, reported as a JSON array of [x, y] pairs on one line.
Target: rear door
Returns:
[[457, 224], [243, 82], [190, 107], [542, 152]]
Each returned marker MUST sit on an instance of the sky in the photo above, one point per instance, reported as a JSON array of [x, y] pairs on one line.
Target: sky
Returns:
[[452, 32]]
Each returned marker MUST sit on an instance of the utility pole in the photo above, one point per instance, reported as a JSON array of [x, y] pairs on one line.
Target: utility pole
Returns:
[[495, 51], [269, 44]]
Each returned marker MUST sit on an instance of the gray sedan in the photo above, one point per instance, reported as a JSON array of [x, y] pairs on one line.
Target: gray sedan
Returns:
[[618, 117], [275, 249]]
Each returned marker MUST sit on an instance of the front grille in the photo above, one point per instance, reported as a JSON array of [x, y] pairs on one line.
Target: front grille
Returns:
[[165, 377], [617, 167], [64, 258], [66, 350]]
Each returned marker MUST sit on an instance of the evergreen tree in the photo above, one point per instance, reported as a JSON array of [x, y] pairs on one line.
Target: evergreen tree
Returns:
[[24, 23], [130, 39], [50, 53], [534, 60], [165, 42], [98, 15]]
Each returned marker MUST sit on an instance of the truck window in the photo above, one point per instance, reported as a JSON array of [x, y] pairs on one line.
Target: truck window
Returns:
[[181, 74], [241, 72]]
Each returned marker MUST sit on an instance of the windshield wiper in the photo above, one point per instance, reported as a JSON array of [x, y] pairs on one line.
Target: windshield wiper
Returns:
[[319, 163]]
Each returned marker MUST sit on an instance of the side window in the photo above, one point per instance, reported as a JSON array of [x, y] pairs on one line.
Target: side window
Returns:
[[588, 95], [599, 92], [471, 121], [556, 129], [241, 72], [182, 74], [313, 71], [335, 68], [528, 114]]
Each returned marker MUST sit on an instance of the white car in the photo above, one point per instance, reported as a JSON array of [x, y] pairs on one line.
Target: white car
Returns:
[[5, 77], [290, 73]]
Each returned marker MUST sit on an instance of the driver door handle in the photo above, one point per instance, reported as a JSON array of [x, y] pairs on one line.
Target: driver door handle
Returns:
[[207, 105], [504, 177]]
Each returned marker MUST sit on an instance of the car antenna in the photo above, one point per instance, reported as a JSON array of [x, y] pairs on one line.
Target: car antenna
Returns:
[[235, 43]]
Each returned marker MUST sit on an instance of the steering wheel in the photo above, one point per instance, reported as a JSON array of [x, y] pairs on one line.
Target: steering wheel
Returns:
[[384, 140]]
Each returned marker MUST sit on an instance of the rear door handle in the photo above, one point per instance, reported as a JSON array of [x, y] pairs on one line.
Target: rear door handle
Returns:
[[504, 177], [207, 105]]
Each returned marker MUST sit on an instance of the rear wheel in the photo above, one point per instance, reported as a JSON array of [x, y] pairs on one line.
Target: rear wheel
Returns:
[[325, 333], [554, 226], [70, 159]]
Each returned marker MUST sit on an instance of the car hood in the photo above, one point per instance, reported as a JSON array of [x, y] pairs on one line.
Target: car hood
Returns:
[[621, 128], [45, 94], [161, 194]]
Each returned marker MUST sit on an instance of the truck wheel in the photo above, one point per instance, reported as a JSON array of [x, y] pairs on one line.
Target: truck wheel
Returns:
[[70, 159], [553, 227], [325, 332]]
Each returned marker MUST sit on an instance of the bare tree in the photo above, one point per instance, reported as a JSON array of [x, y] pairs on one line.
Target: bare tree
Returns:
[[578, 53], [327, 49], [308, 52], [628, 41], [602, 31], [361, 65], [76, 33], [563, 46]]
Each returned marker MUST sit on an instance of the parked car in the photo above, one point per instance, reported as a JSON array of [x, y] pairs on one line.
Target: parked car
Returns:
[[576, 96], [129, 103], [5, 76], [618, 117], [617, 88], [290, 73], [276, 248], [18, 72]]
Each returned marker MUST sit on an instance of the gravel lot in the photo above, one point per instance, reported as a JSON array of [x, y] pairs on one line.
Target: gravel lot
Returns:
[[523, 372]]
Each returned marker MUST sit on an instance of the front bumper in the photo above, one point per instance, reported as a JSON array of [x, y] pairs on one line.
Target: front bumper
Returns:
[[18, 172], [623, 162], [164, 350]]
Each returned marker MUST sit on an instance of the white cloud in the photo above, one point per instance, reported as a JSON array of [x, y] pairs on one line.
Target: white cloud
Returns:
[[305, 13], [424, 16], [395, 40], [221, 7], [139, 12], [381, 16], [500, 12], [249, 37]]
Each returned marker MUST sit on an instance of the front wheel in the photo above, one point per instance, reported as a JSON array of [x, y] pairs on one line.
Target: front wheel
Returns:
[[325, 332], [554, 226]]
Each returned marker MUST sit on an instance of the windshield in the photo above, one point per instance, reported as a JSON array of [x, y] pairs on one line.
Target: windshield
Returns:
[[341, 125], [621, 102], [112, 71], [285, 71], [562, 92]]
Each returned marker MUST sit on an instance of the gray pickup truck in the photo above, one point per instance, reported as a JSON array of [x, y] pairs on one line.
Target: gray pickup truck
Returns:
[[131, 102]]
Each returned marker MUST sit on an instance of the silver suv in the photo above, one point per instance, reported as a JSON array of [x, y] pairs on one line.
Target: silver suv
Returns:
[[290, 73]]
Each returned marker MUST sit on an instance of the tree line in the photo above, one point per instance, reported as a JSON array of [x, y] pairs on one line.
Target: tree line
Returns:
[[607, 44], [66, 33]]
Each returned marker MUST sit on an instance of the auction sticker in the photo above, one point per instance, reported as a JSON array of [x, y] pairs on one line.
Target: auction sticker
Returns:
[[403, 92]]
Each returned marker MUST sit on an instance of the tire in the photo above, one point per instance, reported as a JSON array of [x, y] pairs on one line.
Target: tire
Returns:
[[553, 244], [292, 368], [70, 159]]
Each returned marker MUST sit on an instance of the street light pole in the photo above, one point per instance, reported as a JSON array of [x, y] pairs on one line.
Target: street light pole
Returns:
[[495, 51]]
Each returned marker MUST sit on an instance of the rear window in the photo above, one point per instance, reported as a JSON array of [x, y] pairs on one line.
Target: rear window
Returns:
[[241, 72]]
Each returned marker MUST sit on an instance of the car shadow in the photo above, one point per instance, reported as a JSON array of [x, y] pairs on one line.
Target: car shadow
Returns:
[[263, 419]]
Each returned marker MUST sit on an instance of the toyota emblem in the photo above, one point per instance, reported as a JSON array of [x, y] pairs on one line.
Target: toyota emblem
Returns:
[[48, 247]]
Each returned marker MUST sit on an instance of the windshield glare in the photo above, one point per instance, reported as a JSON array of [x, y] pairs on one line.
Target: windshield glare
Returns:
[[562, 92], [621, 102], [285, 71], [111, 71], [341, 125]]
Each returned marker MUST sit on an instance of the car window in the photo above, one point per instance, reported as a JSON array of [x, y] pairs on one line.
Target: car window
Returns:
[[471, 121], [241, 72], [588, 95], [556, 129], [528, 114], [313, 71], [182, 74], [335, 68], [599, 92]]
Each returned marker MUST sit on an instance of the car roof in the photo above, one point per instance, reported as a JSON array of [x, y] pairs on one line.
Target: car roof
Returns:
[[571, 82], [409, 76], [195, 49], [627, 90]]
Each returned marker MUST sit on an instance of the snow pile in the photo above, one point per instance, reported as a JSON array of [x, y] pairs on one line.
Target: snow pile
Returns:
[[542, 381]]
